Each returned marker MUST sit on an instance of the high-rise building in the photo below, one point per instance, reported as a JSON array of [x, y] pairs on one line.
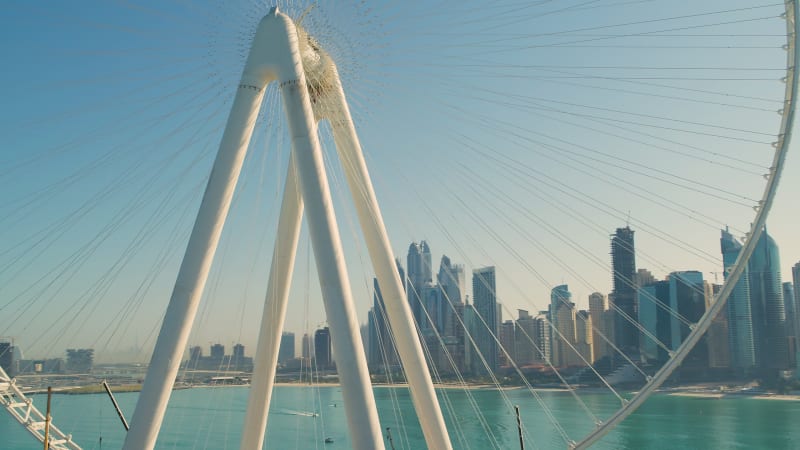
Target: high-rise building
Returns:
[[454, 338], [654, 298], [322, 348], [418, 263], [218, 360], [238, 361], [238, 350], [195, 353], [566, 340], [598, 309], [451, 286], [532, 338], [719, 349], [666, 310], [382, 353], [788, 301], [563, 332], [740, 318], [525, 338], [584, 337], [769, 311], [508, 339], [450, 281], [307, 349], [484, 297], [286, 349], [432, 327], [791, 331], [624, 298], [433, 310], [643, 277], [80, 360], [688, 297], [545, 349], [471, 359], [372, 344], [218, 351]]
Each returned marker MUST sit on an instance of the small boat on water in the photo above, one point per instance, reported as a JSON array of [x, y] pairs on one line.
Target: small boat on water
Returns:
[[329, 440]]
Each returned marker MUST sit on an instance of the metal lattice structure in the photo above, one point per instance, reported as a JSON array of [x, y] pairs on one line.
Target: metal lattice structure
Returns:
[[26, 414]]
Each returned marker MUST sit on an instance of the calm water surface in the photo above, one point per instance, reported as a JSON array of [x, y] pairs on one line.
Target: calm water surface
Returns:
[[211, 418]]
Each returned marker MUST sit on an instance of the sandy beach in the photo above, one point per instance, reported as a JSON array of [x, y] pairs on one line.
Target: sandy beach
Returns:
[[736, 394]]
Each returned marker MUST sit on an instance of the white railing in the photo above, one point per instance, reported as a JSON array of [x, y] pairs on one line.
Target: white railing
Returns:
[[23, 411]]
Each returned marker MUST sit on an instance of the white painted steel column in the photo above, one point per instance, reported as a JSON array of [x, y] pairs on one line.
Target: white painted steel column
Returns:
[[272, 319], [362, 415], [178, 320], [182, 308], [399, 313]]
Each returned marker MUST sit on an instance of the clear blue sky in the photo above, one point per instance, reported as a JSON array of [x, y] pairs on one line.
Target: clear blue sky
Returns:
[[518, 135]]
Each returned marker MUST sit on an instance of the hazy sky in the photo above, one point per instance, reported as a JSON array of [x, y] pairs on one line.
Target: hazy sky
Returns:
[[518, 135]]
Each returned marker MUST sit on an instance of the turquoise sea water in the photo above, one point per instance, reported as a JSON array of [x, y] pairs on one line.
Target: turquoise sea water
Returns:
[[211, 418]]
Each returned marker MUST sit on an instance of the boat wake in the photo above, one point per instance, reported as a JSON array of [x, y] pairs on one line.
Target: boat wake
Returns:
[[288, 412]]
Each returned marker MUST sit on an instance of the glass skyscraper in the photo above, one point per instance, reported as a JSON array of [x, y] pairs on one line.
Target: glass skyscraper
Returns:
[[484, 299], [688, 297], [623, 261], [769, 311], [418, 264], [322, 348], [665, 307], [791, 330], [656, 320], [740, 319]]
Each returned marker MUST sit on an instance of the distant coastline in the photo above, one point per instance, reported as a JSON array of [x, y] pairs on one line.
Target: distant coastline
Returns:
[[690, 391], [725, 395]]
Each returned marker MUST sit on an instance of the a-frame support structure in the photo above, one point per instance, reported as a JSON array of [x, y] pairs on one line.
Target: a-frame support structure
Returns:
[[311, 91]]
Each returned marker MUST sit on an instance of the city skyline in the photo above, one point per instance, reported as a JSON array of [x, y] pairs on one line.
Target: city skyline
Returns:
[[101, 200], [447, 282], [647, 287]]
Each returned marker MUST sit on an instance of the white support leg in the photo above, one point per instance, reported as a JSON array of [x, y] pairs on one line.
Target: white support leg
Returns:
[[267, 53], [178, 320], [362, 415], [269, 337], [400, 318]]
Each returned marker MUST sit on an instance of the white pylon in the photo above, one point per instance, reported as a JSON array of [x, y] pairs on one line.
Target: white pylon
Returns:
[[329, 103], [334, 108], [192, 276], [279, 54], [359, 400], [269, 335]]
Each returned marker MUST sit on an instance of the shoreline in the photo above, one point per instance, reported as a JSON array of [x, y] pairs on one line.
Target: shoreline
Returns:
[[126, 388], [688, 393], [733, 394]]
